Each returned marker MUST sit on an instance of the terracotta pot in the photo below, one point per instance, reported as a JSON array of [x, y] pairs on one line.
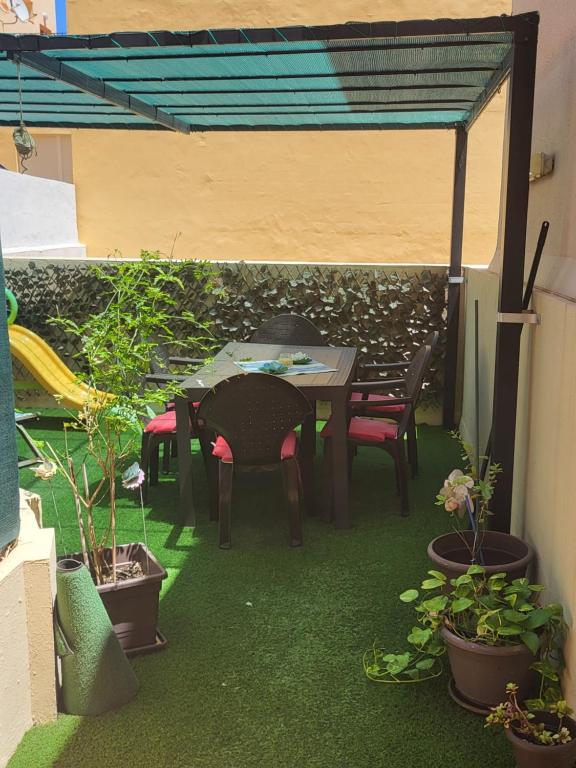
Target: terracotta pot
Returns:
[[132, 605], [502, 553], [481, 672], [529, 755]]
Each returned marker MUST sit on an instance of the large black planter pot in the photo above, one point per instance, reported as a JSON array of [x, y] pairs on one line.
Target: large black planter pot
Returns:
[[529, 755], [481, 672], [132, 605], [502, 553]]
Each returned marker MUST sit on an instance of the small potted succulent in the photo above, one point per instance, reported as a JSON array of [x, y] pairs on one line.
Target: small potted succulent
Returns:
[[466, 497], [492, 630], [543, 738]]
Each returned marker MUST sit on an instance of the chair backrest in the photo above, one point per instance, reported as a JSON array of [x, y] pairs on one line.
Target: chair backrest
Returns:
[[254, 412], [414, 379], [288, 329]]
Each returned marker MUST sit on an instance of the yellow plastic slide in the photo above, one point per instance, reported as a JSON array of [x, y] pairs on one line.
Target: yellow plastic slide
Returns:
[[49, 370]]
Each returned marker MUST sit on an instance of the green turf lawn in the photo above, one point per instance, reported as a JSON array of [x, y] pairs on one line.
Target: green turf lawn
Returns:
[[264, 663]]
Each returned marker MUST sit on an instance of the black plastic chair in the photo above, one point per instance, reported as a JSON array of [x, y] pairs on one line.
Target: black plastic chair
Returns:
[[288, 329], [253, 416], [159, 433], [378, 433], [391, 411]]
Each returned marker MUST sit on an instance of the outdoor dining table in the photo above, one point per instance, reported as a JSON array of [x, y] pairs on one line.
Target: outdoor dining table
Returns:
[[331, 386]]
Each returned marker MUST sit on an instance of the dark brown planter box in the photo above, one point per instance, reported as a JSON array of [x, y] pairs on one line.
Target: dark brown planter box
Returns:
[[481, 672], [132, 605], [502, 552], [529, 755]]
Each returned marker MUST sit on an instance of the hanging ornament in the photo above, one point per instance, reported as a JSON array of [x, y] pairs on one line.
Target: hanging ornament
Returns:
[[23, 141]]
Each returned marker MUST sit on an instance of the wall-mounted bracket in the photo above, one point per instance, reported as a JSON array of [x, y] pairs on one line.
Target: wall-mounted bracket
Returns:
[[455, 279], [526, 316]]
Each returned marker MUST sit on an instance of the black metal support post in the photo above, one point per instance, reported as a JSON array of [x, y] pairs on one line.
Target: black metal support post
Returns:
[[454, 277], [520, 111]]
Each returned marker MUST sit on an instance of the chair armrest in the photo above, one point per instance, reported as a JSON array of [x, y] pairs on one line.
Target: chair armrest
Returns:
[[187, 360], [371, 386], [384, 366], [164, 378]]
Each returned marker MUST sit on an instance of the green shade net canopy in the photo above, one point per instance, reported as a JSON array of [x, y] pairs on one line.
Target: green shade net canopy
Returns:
[[387, 75]]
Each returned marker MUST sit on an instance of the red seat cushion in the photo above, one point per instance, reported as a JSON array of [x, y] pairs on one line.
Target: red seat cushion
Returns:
[[163, 424], [222, 449], [382, 408], [366, 430]]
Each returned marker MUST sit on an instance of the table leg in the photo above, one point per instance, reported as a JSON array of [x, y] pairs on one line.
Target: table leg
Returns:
[[187, 511], [340, 461], [307, 451]]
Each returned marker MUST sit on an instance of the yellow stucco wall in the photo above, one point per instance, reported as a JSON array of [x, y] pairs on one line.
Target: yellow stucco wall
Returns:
[[374, 196]]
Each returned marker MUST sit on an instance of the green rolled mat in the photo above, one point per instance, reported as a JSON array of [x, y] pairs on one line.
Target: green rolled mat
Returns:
[[96, 675]]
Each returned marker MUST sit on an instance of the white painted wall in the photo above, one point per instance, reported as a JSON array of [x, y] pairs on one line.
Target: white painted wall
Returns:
[[38, 217]]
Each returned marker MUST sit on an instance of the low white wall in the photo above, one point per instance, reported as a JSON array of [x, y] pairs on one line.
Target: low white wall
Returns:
[[38, 217], [27, 662]]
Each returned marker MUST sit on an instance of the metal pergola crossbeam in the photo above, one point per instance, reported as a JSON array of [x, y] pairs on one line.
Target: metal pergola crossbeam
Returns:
[[423, 74]]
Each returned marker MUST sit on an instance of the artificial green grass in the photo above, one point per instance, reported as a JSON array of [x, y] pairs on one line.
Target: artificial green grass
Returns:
[[264, 663]]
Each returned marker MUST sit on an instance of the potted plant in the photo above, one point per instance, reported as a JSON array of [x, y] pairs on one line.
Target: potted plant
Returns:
[[117, 345], [466, 497], [492, 630], [543, 738]]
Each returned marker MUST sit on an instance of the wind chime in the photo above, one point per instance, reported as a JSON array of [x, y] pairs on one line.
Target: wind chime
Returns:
[[23, 141]]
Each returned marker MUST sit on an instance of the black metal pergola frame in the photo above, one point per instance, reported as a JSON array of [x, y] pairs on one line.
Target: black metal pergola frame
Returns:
[[30, 51]]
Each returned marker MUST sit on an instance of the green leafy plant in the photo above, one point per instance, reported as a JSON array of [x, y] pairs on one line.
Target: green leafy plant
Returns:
[[483, 609], [510, 715], [117, 346], [466, 497]]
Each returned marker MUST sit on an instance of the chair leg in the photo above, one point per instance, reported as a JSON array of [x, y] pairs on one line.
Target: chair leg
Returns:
[[226, 474], [400, 461], [154, 459], [327, 492], [290, 474], [412, 445], [211, 467], [166, 456]]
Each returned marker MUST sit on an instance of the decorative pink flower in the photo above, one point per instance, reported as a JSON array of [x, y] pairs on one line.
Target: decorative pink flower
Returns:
[[133, 478]]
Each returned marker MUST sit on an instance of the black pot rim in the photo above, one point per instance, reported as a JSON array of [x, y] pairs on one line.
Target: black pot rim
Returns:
[[69, 565], [444, 562], [160, 575], [522, 742], [486, 650]]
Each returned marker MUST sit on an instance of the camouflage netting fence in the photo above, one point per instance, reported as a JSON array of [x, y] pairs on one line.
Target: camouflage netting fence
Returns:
[[383, 311]]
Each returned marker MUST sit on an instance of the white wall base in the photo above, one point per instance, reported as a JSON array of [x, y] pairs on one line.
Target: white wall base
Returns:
[[27, 662]]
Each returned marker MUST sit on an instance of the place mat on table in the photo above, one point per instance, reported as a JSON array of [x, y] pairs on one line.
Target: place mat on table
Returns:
[[254, 366]]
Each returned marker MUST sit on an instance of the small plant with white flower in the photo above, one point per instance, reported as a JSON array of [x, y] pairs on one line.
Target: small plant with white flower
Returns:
[[466, 497]]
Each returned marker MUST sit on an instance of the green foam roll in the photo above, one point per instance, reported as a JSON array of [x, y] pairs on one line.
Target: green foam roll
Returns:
[[96, 675]]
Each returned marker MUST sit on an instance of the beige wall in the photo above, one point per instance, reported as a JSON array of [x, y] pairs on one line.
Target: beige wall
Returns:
[[358, 196], [27, 662], [543, 510], [39, 9]]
